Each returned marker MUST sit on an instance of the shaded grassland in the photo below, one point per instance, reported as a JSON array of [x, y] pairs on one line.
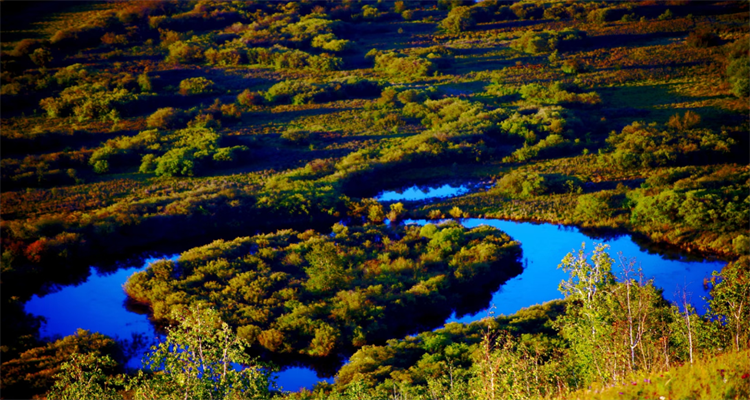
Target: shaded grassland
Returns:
[[131, 126]]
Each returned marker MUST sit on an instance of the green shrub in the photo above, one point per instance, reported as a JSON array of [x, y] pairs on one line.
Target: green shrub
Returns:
[[738, 75], [292, 91], [185, 52], [459, 20], [197, 85], [371, 13], [223, 57], [407, 66], [166, 118], [527, 10], [521, 184], [88, 102], [557, 93], [329, 42], [547, 41], [641, 145], [602, 15], [594, 206]]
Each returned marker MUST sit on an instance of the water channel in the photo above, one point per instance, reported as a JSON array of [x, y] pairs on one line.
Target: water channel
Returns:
[[544, 246]]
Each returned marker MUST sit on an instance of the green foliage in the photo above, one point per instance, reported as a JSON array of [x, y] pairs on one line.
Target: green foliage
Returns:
[[397, 64], [738, 71], [198, 359], [83, 377], [459, 20], [37, 368], [307, 293], [594, 206], [729, 302], [719, 376], [533, 42], [329, 42], [184, 152], [165, 118], [517, 184], [602, 15], [87, 102], [186, 52], [197, 85], [558, 93], [281, 57], [651, 145], [301, 92], [613, 328]]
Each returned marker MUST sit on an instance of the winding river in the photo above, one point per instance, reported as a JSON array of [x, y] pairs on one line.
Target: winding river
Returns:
[[544, 245]]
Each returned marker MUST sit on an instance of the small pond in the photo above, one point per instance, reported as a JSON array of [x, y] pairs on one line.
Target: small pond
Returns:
[[99, 303], [427, 192]]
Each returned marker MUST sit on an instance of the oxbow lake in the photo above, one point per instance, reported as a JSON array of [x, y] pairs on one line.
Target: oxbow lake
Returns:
[[98, 304]]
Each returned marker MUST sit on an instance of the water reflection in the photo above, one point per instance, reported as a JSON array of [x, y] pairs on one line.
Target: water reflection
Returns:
[[295, 378], [99, 304], [415, 193], [545, 245]]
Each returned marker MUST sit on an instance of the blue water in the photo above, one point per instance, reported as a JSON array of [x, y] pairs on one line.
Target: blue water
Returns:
[[545, 245], [98, 304], [414, 193]]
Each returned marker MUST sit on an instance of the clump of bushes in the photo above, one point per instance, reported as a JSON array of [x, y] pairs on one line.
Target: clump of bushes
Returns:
[[166, 118], [88, 102], [397, 64], [678, 142], [594, 206], [329, 42], [365, 278], [547, 41], [197, 85], [184, 152], [281, 57], [738, 68], [558, 94], [459, 19], [224, 57], [521, 184], [301, 92]]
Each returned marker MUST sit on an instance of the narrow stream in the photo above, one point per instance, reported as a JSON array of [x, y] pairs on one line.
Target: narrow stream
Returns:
[[98, 304]]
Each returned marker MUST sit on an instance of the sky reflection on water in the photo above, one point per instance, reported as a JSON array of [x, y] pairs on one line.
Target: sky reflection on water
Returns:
[[545, 245], [99, 303], [414, 193]]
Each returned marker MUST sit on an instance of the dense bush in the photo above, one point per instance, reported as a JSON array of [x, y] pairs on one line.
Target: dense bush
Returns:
[[300, 92], [547, 41], [304, 293], [557, 93], [184, 152], [283, 58], [87, 102], [459, 20], [197, 85], [517, 184], [397, 64], [681, 141]]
